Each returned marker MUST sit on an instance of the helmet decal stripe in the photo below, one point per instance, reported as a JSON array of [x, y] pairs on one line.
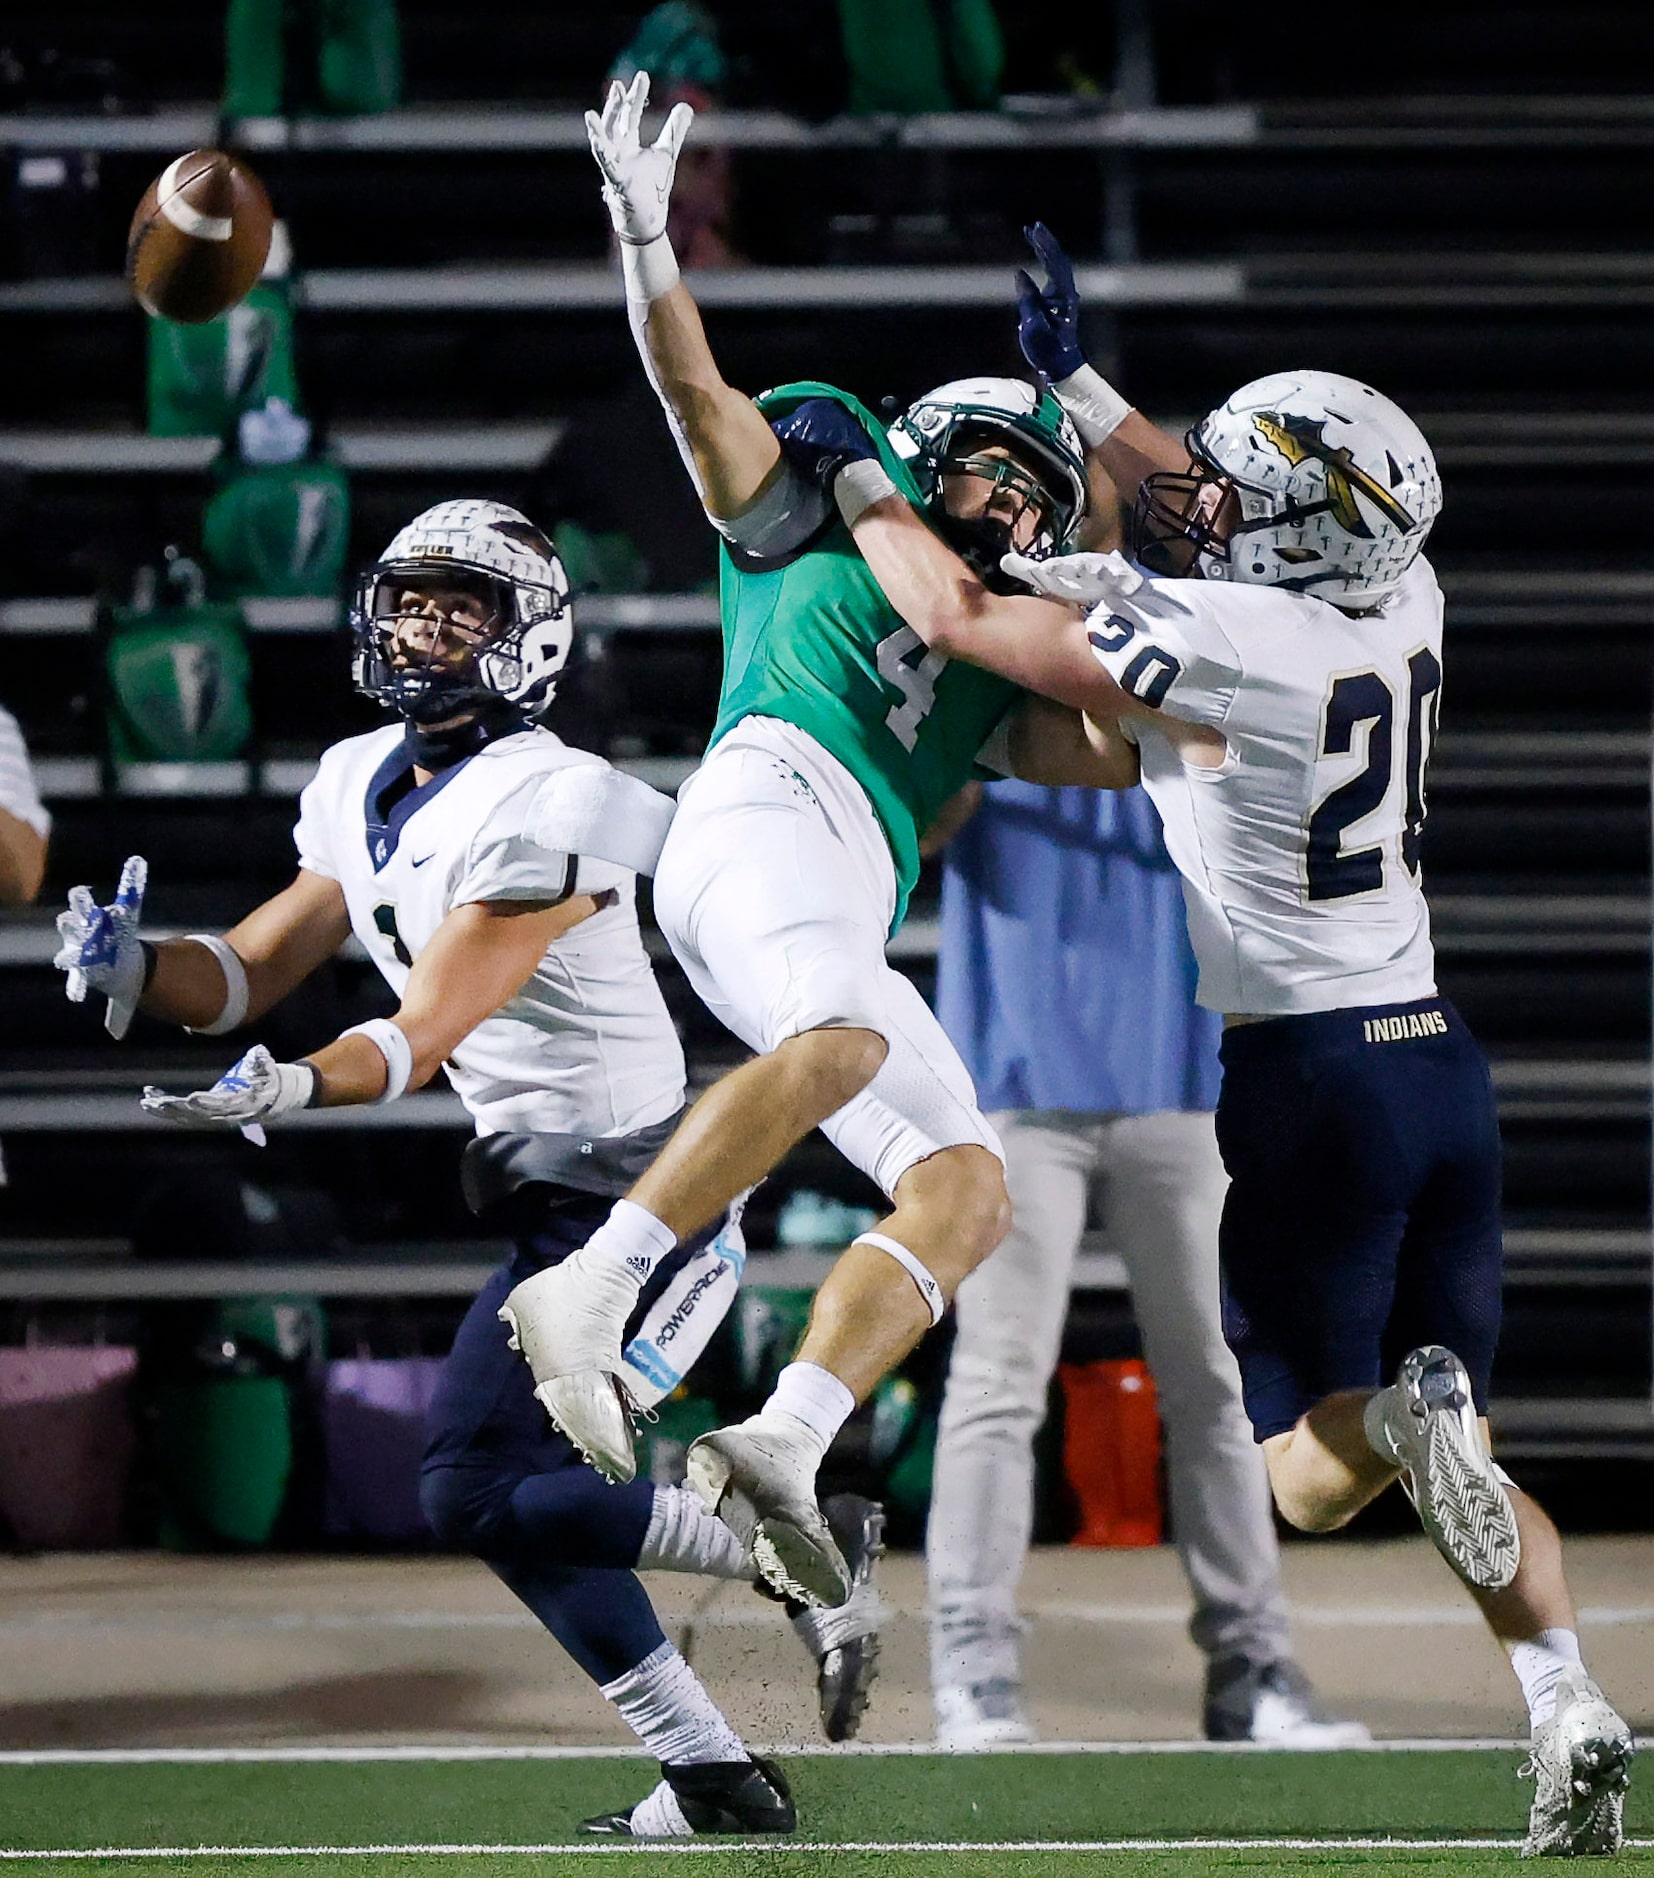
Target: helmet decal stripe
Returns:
[[1298, 438]]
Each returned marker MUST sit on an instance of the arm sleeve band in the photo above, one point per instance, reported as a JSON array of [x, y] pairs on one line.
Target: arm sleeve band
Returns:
[[858, 486], [391, 1043], [235, 985], [782, 517], [1096, 407]]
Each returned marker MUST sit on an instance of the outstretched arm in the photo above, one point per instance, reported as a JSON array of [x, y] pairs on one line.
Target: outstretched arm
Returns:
[[203, 982], [480, 956], [1120, 438], [477, 959], [727, 447], [1038, 644]]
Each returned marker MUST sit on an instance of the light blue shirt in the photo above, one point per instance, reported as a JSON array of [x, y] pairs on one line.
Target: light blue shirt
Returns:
[[1065, 977]]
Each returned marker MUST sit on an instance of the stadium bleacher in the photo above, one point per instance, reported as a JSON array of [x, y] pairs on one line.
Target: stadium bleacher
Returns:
[[1456, 234]]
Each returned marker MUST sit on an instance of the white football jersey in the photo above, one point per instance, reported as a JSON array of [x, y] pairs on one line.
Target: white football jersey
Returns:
[[1300, 855], [587, 1046]]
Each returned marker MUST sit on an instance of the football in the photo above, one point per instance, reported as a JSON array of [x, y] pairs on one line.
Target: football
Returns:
[[200, 237]]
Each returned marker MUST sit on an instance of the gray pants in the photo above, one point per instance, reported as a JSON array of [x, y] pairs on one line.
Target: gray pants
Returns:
[[1163, 1188]]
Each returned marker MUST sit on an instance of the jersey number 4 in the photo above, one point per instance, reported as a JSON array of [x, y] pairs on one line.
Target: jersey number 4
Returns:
[[915, 680], [1364, 698]]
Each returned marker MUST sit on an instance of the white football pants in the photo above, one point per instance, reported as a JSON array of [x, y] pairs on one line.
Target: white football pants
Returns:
[[1163, 1187], [775, 890]]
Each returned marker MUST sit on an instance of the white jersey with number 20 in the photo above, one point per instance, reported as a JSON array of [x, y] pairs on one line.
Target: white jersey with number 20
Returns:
[[1300, 854]]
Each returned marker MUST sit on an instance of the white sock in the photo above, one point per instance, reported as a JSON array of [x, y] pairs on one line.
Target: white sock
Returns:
[[1540, 1664], [814, 1396], [684, 1537], [632, 1237], [665, 1706]]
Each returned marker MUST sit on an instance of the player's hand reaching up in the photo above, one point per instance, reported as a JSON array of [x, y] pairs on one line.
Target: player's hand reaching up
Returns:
[[99, 949], [256, 1089], [1080, 579], [1048, 317], [637, 178]]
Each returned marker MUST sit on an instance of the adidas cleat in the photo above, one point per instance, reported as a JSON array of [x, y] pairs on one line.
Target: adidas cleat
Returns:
[[1426, 1423], [760, 1481], [1272, 1704], [1580, 1764], [747, 1798], [845, 1641], [568, 1322]]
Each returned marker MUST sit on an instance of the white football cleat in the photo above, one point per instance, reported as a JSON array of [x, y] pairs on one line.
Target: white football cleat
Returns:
[[760, 1479], [1580, 1762], [1426, 1423], [568, 1322], [1271, 1704], [976, 1716]]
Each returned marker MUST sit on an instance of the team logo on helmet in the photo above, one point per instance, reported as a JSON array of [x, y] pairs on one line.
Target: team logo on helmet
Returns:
[[1300, 438]]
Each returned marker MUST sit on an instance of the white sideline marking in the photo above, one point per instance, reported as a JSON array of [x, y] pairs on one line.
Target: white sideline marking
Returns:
[[715, 1847], [848, 1750]]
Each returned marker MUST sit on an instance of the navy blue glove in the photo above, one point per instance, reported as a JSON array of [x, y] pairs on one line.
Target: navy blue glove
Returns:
[[820, 436], [1048, 317]]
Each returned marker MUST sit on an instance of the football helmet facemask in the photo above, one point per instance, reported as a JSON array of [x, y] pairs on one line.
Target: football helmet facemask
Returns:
[[1303, 480], [947, 432], [513, 624]]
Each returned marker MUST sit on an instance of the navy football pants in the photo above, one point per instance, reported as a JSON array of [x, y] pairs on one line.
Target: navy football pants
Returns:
[[499, 1481], [1362, 1217]]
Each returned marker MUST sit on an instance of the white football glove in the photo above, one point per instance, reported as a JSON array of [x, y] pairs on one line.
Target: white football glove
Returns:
[[1080, 579], [99, 949], [257, 1089], [637, 181]]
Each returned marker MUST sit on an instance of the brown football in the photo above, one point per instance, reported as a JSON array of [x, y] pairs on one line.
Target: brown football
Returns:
[[200, 237]]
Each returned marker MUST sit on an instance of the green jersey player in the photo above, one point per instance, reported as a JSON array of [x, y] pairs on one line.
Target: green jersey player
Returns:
[[790, 860]]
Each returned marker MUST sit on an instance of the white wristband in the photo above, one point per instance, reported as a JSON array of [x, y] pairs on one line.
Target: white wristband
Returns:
[[394, 1047], [650, 268], [1096, 407], [235, 985], [858, 486]]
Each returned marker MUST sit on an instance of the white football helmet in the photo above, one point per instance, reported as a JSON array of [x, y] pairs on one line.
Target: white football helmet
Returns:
[[941, 433], [495, 553], [1304, 480]]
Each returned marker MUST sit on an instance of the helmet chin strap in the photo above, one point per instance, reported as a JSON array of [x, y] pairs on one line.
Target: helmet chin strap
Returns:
[[979, 543], [441, 748]]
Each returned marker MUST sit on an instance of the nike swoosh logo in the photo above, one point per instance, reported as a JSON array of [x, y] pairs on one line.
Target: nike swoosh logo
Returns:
[[424, 858]]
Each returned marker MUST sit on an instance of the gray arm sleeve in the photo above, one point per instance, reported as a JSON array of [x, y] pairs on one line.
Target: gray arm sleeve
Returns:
[[784, 514]]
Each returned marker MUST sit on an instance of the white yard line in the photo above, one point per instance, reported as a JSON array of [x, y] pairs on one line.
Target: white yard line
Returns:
[[715, 1847], [347, 1753]]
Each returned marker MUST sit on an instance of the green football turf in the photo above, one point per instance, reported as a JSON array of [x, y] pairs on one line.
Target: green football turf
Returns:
[[912, 1807]]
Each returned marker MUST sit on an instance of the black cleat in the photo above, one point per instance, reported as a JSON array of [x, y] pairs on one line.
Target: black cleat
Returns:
[[744, 1798], [845, 1640]]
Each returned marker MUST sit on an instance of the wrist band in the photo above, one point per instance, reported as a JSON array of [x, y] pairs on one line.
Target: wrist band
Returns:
[[650, 268], [858, 486], [929, 1289], [152, 958], [235, 985], [1096, 407], [394, 1047]]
